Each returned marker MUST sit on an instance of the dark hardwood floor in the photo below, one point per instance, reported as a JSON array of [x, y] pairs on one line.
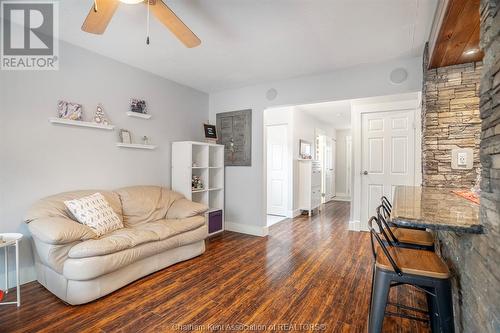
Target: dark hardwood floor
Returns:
[[308, 271]]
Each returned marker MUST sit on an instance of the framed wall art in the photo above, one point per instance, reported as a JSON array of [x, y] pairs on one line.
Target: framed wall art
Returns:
[[305, 149], [210, 132], [69, 110], [138, 106]]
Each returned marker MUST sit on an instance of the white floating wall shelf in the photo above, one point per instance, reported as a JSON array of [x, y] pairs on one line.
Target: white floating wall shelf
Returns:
[[135, 146], [138, 115], [80, 123]]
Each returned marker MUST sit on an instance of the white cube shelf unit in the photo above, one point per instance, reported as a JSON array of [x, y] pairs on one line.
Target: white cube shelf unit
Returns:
[[206, 160]]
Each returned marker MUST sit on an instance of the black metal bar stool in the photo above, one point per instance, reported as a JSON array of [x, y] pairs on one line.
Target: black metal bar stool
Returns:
[[421, 269], [388, 209], [386, 203], [402, 237]]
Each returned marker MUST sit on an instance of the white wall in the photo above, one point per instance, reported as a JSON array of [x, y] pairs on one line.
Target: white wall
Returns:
[[305, 127], [341, 158], [40, 159], [245, 186]]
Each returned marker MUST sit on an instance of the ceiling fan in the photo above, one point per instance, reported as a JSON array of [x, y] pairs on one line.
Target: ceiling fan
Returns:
[[102, 11]]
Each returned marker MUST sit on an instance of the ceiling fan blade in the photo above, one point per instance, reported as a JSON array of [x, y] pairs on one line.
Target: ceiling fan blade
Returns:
[[174, 24], [99, 16]]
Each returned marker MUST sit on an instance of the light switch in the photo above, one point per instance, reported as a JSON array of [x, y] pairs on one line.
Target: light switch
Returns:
[[462, 159]]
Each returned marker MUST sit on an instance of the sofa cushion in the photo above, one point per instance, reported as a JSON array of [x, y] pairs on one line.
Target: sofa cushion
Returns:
[[95, 212], [168, 228], [141, 204], [127, 238], [54, 206], [115, 241], [183, 208], [82, 269], [60, 230]]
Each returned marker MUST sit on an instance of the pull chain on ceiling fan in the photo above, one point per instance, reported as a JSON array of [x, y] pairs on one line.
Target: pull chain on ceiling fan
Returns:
[[102, 12], [147, 25]]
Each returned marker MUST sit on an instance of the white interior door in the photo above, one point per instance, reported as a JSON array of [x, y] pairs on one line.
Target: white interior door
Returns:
[[388, 153], [328, 169], [277, 170], [348, 154], [333, 164]]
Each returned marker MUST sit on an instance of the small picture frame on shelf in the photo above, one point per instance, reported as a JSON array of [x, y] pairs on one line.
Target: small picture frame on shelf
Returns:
[[138, 106], [210, 132], [69, 110], [125, 136]]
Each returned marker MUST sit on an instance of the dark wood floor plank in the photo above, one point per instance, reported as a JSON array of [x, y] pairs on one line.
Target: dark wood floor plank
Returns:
[[307, 271]]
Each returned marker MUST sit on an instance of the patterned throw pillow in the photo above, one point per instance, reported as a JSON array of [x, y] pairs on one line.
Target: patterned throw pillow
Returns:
[[95, 212]]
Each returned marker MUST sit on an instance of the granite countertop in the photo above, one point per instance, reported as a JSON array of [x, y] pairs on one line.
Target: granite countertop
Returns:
[[434, 208]]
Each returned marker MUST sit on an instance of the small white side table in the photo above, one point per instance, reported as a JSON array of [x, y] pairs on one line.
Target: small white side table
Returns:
[[9, 240]]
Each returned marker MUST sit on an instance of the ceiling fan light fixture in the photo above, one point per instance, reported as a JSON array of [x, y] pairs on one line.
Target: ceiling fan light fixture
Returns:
[[131, 2]]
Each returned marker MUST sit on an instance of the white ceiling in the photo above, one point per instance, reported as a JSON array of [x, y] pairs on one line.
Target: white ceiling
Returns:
[[246, 42], [337, 114]]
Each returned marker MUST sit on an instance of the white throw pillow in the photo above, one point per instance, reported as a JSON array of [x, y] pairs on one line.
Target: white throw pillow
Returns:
[[95, 212]]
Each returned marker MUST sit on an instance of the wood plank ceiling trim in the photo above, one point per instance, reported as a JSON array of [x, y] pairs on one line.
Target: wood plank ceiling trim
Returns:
[[458, 34]]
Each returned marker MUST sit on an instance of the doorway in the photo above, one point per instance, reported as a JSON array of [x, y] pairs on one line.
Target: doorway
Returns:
[[325, 154], [278, 187], [343, 163]]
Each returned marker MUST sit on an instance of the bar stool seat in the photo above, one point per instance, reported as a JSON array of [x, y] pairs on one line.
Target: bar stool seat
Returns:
[[402, 237], [413, 236], [416, 262]]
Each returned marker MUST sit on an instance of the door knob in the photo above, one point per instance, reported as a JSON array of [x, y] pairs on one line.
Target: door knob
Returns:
[[365, 172]]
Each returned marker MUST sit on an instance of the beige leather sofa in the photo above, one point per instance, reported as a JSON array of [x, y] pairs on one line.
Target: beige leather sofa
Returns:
[[161, 229]]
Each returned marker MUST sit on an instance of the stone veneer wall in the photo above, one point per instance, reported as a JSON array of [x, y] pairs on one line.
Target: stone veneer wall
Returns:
[[475, 259], [450, 119]]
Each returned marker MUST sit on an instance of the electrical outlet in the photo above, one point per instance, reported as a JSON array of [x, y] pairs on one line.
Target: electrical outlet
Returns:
[[462, 159]]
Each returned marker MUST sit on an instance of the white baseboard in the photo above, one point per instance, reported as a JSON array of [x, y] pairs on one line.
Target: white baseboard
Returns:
[[354, 225], [248, 229], [26, 274], [364, 227], [342, 198], [293, 213], [277, 221]]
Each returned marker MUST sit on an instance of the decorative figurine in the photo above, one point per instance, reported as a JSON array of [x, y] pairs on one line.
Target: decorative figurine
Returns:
[[99, 116], [196, 183]]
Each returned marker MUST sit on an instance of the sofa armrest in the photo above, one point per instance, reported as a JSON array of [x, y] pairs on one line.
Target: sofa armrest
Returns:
[[184, 208], [60, 230]]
